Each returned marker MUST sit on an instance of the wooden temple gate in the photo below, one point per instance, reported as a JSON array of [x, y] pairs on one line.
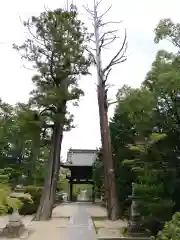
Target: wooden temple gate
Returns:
[[80, 163]]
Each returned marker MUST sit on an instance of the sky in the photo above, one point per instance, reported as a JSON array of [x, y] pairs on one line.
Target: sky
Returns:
[[139, 17]]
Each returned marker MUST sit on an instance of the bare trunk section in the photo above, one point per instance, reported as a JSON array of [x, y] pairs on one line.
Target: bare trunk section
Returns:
[[113, 208], [109, 176], [107, 197], [45, 208]]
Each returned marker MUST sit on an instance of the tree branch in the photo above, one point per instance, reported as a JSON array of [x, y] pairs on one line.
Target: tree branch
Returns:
[[102, 15], [92, 55], [117, 58], [111, 40], [97, 3], [27, 24], [46, 126], [106, 33], [109, 85], [30, 69], [106, 75], [105, 40], [52, 109], [91, 12], [110, 22], [113, 102]]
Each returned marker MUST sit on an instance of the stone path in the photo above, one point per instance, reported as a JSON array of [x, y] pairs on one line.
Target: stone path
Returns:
[[80, 226], [54, 229], [69, 209], [57, 228]]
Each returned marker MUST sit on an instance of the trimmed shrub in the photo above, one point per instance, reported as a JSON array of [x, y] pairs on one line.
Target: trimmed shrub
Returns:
[[31, 208], [10, 200]]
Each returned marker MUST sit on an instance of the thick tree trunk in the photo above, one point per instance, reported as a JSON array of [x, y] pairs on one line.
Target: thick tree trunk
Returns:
[[113, 211], [45, 208], [109, 176], [107, 197]]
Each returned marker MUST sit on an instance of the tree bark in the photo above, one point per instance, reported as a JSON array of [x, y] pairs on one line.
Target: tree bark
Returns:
[[109, 176], [113, 211], [107, 197], [45, 208]]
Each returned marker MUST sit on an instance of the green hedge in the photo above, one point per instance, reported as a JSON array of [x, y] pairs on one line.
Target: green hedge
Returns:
[[31, 208]]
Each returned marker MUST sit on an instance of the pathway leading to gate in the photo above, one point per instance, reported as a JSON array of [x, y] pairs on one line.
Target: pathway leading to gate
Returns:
[[69, 209], [81, 226], [68, 220]]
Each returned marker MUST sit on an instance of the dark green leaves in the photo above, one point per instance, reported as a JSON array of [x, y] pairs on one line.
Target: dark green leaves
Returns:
[[56, 46]]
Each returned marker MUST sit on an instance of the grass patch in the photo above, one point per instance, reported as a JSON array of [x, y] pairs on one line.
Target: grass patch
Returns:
[[124, 232]]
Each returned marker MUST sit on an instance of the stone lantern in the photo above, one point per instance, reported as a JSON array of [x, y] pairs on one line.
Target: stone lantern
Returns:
[[15, 227], [135, 227]]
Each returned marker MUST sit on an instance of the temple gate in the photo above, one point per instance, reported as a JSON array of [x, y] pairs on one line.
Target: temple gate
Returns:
[[80, 163]]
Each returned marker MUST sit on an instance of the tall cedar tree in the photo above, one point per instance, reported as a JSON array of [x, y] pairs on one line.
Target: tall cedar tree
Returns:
[[56, 47]]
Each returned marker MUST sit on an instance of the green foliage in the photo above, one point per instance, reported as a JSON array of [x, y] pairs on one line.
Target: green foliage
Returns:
[[151, 193], [154, 205], [132, 121], [4, 198], [8, 199], [58, 51], [167, 29], [163, 80], [171, 230], [145, 134], [141, 140], [29, 208], [141, 150], [136, 105], [56, 47], [63, 184], [144, 129], [21, 148]]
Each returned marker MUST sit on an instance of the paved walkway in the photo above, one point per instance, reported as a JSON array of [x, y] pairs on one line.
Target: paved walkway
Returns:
[[56, 228], [81, 226], [69, 209]]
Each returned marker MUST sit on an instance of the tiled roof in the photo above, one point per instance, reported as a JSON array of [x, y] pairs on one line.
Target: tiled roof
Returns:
[[80, 161]]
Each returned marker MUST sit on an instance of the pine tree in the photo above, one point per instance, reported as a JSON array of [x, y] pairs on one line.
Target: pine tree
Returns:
[[56, 46]]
